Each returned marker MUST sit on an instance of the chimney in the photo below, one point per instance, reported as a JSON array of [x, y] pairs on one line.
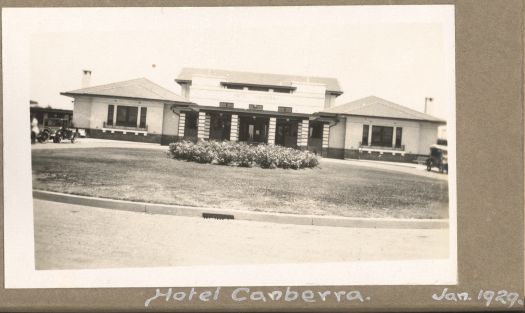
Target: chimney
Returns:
[[86, 78]]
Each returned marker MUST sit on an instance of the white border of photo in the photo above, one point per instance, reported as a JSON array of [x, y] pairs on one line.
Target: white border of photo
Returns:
[[19, 24]]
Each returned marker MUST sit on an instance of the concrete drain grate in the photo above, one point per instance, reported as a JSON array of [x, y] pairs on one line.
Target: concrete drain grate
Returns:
[[218, 216]]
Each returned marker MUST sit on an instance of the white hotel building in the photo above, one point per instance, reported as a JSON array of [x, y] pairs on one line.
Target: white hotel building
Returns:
[[293, 111]]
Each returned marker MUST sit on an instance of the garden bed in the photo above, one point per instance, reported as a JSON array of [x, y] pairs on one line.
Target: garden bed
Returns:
[[241, 154]]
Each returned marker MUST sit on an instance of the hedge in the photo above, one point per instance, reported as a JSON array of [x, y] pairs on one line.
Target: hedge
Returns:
[[241, 154]]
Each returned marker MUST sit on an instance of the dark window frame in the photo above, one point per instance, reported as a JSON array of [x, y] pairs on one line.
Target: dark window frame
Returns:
[[111, 114], [256, 107], [364, 139], [399, 136], [283, 109], [382, 136], [143, 116], [228, 105], [127, 116]]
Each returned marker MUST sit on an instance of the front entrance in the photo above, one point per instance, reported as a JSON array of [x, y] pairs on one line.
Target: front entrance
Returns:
[[253, 129], [286, 132], [315, 137], [191, 126], [220, 126]]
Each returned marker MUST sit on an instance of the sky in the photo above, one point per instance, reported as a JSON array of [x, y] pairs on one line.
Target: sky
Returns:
[[403, 54]]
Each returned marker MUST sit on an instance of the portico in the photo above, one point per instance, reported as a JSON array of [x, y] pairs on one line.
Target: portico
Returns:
[[292, 130]]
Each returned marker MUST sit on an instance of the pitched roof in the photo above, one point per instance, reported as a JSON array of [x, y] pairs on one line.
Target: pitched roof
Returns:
[[377, 107], [187, 74], [140, 88]]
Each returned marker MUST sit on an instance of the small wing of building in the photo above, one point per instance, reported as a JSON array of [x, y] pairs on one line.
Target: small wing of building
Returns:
[[134, 110], [375, 128], [49, 117]]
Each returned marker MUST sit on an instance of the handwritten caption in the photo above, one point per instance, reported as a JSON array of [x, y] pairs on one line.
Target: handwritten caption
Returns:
[[244, 294], [487, 297]]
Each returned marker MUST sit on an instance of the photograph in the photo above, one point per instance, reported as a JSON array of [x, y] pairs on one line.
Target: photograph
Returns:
[[209, 146]]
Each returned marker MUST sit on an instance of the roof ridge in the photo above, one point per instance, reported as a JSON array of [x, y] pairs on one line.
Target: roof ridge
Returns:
[[252, 72], [210, 71]]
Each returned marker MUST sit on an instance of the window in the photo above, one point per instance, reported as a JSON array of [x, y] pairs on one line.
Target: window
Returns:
[[127, 116], [257, 88], [111, 110], [228, 105], [284, 109], [258, 107], [382, 136], [364, 141], [399, 133], [143, 113]]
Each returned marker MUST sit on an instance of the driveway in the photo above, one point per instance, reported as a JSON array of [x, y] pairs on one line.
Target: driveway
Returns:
[[97, 143], [76, 237]]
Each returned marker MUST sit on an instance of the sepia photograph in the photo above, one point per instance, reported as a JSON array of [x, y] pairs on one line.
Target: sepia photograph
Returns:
[[229, 145]]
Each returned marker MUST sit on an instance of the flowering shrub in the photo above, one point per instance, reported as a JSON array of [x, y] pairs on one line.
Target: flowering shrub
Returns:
[[241, 154]]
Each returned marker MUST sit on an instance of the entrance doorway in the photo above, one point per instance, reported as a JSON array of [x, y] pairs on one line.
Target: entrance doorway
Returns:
[[190, 126], [220, 126], [253, 129], [286, 132], [315, 137]]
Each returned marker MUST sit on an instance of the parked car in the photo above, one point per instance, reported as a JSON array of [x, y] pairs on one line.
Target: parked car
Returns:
[[438, 158], [59, 129]]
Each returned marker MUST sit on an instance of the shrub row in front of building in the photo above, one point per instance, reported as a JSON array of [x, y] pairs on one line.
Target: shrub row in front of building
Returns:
[[241, 154]]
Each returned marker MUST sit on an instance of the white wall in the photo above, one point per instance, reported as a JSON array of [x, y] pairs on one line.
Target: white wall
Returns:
[[82, 112], [329, 101], [170, 124], [337, 135], [99, 112], [307, 98], [427, 136], [415, 138]]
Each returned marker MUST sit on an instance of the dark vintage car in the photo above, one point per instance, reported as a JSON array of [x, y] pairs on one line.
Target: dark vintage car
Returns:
[[60, 129], [438, 158]]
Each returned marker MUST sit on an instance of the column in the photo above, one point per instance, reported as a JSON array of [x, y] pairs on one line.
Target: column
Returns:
[[326, 135], [201, 125], [304, 134], [271, 131], [207, 124], [234, 127], [182, 124], [299, 133]]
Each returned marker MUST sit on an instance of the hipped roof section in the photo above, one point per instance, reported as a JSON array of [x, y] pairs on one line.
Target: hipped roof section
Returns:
[[377, 107], [140, 88]]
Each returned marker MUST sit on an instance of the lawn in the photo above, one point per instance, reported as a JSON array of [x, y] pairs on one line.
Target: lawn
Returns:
[[150, 176]]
